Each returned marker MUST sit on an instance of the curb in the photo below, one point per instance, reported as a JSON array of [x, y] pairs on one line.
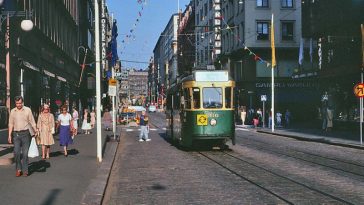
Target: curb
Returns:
[[315, 139], [6, 154], [95, 191]]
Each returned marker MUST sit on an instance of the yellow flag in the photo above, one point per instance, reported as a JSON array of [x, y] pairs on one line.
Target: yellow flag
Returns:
[[272, 44]]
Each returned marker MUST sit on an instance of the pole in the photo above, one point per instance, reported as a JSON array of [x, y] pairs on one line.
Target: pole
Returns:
[[98, 81], [82, 67], [7, 64], [361, 113], [272, 116], [263, 114]]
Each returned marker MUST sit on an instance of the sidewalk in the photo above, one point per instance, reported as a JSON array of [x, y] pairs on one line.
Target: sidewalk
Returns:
[[59, 180], [334, 137]]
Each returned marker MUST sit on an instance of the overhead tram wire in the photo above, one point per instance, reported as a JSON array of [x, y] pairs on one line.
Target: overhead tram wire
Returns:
[[130, 61]]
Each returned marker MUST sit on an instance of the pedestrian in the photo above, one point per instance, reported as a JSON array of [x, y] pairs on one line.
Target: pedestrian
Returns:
[[86, 123], [93, 118], [46, 129], [243, 115], [279, 118], [287, 117], [324, 117], [144, 127], [66, 125], [329, 117], [260, 116], [107, 119], [270, 120], [256, 121], [75, 122], [21, 124]]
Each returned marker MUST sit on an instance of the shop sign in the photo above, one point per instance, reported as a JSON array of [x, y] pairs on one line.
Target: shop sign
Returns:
[[359, 90]]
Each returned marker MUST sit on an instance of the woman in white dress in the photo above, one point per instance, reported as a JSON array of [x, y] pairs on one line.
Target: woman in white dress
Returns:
[[86, 124]]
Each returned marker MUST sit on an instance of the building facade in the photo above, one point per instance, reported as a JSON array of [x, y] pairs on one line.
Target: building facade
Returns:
[[334, 27], [43, 63], [246, 53]]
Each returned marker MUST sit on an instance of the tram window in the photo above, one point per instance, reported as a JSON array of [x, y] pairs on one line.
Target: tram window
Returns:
[[196, 98], [187, 98], [228, 97], [212, 97]]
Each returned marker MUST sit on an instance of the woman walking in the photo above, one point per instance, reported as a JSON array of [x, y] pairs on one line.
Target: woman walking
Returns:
[[45, 126], [93, 118], [75, 122], [65, 122], [86, 123]]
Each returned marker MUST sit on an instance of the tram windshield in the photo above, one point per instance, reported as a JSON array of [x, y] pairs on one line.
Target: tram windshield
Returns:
[[212, 97]]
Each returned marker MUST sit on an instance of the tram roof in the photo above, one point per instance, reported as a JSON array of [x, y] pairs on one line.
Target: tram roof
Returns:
[[207, 75]]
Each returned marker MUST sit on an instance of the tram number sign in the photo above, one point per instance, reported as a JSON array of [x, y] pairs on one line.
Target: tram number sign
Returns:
[[359, 90], [202, 119]]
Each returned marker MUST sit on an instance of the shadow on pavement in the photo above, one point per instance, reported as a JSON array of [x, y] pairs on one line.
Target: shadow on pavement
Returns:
[[38, 166], [51, 197], [202, 145], [58, 153]]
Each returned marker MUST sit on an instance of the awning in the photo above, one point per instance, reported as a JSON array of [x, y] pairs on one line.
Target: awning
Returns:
[[31, 66], [61, 78], [49, 74]]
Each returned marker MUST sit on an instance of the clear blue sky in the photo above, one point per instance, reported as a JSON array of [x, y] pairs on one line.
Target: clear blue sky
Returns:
[[154, 18]]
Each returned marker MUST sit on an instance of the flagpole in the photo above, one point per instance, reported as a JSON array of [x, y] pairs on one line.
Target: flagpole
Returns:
[[273, 65]]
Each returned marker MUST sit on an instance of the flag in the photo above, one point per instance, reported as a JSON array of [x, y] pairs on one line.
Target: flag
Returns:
[[114, 46], [300, 54], [272, 44]]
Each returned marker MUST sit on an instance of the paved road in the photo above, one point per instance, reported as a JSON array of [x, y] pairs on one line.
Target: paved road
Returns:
[[260, 169], [59, 180]]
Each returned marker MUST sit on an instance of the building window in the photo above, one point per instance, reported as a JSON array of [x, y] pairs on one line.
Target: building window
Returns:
[[287, 31], [262, 3], [287, 3], [262, 31]]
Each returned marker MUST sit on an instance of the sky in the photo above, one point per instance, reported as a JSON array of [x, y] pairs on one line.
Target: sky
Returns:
[[153, 18]]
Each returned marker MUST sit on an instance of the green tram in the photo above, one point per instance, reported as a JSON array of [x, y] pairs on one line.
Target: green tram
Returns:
[[200, 108]]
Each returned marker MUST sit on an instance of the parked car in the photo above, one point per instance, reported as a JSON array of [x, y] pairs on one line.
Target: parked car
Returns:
[[152, 108]]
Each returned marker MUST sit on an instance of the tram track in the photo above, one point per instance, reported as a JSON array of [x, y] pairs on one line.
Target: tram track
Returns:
[[265, 179], [328, 162]]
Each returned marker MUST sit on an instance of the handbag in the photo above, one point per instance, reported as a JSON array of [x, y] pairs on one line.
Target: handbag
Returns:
[[33, 149]]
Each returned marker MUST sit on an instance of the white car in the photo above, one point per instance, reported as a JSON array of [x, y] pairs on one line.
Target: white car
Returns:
[[152, 108]]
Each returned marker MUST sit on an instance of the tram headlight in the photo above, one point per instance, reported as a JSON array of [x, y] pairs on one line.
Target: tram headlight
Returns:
[[213, 122]]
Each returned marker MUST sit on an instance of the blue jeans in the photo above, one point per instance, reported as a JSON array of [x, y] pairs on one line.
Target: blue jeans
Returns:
[[143, 132], [21, 142]]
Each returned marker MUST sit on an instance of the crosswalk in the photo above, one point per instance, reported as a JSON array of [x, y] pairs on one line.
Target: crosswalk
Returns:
[[138, 129]]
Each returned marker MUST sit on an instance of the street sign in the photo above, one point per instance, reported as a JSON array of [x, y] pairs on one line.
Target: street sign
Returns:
[[263, 98], [112, 87], [359, 90]]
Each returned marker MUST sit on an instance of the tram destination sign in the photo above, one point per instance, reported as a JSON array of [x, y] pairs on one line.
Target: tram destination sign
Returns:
[[217, 76]]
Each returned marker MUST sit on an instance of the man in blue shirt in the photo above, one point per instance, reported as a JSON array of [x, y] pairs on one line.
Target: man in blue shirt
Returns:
[[144, 127]]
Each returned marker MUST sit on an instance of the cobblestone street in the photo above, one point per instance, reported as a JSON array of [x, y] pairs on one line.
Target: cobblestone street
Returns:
[[261, 169]]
